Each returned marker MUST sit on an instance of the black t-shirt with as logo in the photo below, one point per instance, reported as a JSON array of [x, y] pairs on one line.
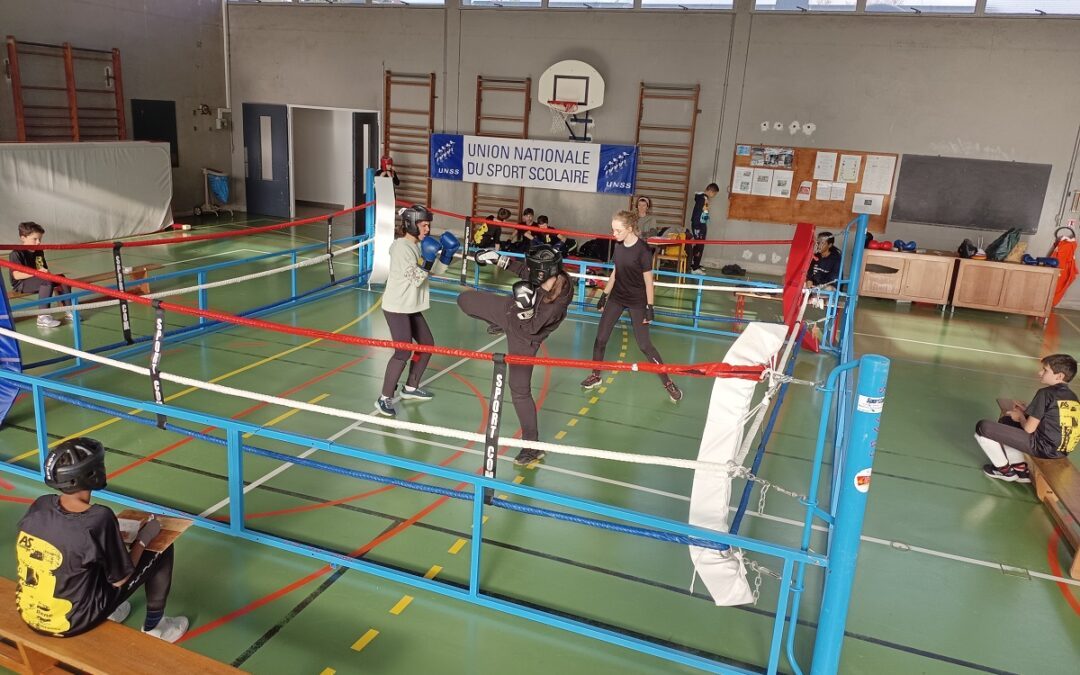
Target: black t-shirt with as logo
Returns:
[[1058, 411], [67, 565]]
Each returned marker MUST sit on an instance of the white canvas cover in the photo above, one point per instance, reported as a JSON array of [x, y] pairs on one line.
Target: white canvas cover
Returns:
[[723, 572], [85, 191], [385, 212]]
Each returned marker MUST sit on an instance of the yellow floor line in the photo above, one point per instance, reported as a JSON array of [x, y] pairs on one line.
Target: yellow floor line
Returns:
[[559, 436], [622, 355], [583, 411], [458, 545], [611, 379], [603, 390], [519, 479], [484, 520], [594, 400], [287, 414], [328, 671], [572, 422], [365, 639], [435, 569], [401, 605], [184, 392]]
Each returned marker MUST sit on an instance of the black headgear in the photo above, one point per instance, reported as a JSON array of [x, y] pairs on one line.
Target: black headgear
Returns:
[[544, 262], [76, 464], [413, 216]]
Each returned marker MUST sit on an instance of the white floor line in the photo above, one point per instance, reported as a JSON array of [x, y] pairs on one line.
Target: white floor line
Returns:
[[355, 425], [1066, 320], [896, 545], [938, 344], [212, 255]]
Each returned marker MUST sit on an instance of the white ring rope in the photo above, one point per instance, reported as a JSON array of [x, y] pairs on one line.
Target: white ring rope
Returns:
[[199, 287], [728, 468]]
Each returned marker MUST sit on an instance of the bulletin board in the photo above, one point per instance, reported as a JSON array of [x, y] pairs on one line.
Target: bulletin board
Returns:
[[874, 177]]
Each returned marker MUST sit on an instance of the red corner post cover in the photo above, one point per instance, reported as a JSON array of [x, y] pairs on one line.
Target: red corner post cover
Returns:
[[798, 262]]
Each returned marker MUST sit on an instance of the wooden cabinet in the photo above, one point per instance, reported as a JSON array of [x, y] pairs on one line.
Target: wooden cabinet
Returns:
[[920, 277], [1005, 287]]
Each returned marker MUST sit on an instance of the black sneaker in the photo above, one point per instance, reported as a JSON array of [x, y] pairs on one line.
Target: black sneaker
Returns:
[[1006, 473], [416, 393], [1023, 475], [673, 392], [494, 329], [592, 381], [527, 456], [385, 406]]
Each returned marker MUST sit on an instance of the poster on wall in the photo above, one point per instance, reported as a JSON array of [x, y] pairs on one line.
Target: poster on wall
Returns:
[[554, 165]]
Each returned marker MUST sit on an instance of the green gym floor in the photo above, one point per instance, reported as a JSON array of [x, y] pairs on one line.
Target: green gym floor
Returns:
[[956, 573]]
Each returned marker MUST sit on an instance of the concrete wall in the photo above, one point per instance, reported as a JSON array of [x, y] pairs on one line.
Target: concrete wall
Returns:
[[322, 143], [170, 50], [992, 88]]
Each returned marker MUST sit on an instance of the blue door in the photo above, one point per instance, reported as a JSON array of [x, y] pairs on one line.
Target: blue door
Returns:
[[266, 159]]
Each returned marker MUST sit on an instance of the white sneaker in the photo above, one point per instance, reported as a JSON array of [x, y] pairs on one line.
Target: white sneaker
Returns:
[[46, 321], [121, 612], [700, 271], [170, 628], [70, 316]]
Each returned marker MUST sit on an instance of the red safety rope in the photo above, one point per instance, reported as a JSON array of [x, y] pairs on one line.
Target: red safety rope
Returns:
[[696, 369], [185, 239], [597, 235]]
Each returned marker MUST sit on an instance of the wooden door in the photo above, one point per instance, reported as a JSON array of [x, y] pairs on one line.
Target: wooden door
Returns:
[[875, 280], [927, 279], [978, 285], [1028, 290]]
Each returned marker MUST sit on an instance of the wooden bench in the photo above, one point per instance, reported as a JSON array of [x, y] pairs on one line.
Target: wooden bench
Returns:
[[109, 649], [135, 282], [1057, 484]]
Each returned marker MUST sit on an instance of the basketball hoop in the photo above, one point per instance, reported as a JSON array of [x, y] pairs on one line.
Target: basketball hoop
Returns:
[[561, 114]]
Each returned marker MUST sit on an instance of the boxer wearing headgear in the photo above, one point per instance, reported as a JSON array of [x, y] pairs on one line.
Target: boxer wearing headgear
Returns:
[[74, 570], [414, 256], [386, 168], [537, 305], [630, 287]]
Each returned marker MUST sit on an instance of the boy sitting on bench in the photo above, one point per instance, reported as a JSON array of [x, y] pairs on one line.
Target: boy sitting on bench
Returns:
[[74, 569], [1048, 427]]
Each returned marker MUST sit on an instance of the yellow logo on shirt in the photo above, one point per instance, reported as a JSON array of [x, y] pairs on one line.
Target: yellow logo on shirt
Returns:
[[1069, 415], [36, 595]]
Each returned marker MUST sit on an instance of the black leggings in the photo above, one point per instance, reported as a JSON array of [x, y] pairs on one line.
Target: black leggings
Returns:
[[45, 289], [406, 328], [612, 311], [697, 250], [495, 310]]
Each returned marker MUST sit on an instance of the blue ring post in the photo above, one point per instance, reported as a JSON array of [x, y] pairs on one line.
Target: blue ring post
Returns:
[[851, 508]]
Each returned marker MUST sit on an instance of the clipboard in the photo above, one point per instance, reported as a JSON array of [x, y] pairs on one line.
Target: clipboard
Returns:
[[171, 528]]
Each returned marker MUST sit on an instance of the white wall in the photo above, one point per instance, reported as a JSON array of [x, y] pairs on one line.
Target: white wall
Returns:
[[169, 49], [992, 88], [322, 145]]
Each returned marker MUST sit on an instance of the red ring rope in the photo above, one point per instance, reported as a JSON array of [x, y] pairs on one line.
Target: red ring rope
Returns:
[[186, 238], [597, 235], [696, 369]]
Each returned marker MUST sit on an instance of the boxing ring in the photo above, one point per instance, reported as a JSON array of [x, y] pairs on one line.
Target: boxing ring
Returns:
[[852, 398]]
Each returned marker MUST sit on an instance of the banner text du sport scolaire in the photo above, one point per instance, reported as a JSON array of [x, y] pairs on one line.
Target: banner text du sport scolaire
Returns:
[[555, 165]]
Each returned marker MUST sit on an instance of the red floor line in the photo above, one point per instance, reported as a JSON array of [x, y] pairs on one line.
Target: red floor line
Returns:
[[6, 485], [1055, 568], [239, 415], [377, 491], [255, 604], [17, 500]]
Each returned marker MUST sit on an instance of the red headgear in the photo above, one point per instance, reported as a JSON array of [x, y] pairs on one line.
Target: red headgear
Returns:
[[386, 162]]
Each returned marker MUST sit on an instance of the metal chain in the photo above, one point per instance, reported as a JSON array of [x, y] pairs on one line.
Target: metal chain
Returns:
[[738, 471], [761, 498], [758, 571]]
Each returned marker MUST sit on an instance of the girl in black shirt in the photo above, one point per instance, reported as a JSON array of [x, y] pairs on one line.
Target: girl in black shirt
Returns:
[[630, 286]]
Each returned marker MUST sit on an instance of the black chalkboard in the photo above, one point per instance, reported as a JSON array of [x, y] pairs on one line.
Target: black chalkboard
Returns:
[[981, 194]]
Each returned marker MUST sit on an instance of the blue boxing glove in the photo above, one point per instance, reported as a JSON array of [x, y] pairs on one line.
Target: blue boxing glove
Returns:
[[1028, 259], [525, 298], [450, 246], [1047, 262], [429, 251]]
